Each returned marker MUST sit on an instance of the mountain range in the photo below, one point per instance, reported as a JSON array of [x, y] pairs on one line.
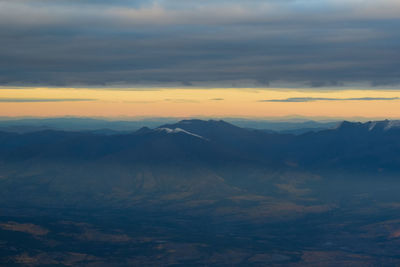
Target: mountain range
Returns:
[[370, 146], [188, 157], [103, 126]]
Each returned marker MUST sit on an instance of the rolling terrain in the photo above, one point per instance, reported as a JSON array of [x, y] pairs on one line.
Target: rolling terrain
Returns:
[[201, 193]]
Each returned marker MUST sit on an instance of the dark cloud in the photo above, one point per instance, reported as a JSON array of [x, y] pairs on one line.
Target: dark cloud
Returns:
[[328, 43], [24, 100], [313, 99], [217, 99]]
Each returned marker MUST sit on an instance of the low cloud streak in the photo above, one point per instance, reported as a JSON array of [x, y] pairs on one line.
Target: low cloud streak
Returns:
[[26, 100], [313, 99]]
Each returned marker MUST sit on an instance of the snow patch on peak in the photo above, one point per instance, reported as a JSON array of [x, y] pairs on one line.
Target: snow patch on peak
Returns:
[[180, 130], [372, 126], [383, 125], [392, 124]]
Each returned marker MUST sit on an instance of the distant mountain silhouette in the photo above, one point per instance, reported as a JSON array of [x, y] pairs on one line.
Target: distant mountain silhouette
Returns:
[[351, 145], [114, 126]]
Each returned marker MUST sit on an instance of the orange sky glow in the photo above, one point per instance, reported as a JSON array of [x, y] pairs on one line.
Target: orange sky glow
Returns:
[[49, 102]]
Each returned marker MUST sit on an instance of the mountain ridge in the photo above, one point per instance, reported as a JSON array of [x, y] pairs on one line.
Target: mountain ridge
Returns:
[[351, 145]]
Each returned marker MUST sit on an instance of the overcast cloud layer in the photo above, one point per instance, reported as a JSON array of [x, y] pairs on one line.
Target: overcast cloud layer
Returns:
[[185, 42]]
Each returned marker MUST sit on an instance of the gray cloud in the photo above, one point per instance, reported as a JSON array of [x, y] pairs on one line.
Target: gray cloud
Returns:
[[24, 100], [327, 43], [313, 99]]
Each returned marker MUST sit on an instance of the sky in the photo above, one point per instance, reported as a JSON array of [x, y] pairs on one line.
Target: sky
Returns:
[[206, 102], [190, 58]]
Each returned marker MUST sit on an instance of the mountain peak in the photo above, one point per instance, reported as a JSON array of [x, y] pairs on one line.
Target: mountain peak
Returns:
[[348, 124], [384, 125], [179, 130], [143, 130], [208, 129], [196, 124], [204, 122]]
